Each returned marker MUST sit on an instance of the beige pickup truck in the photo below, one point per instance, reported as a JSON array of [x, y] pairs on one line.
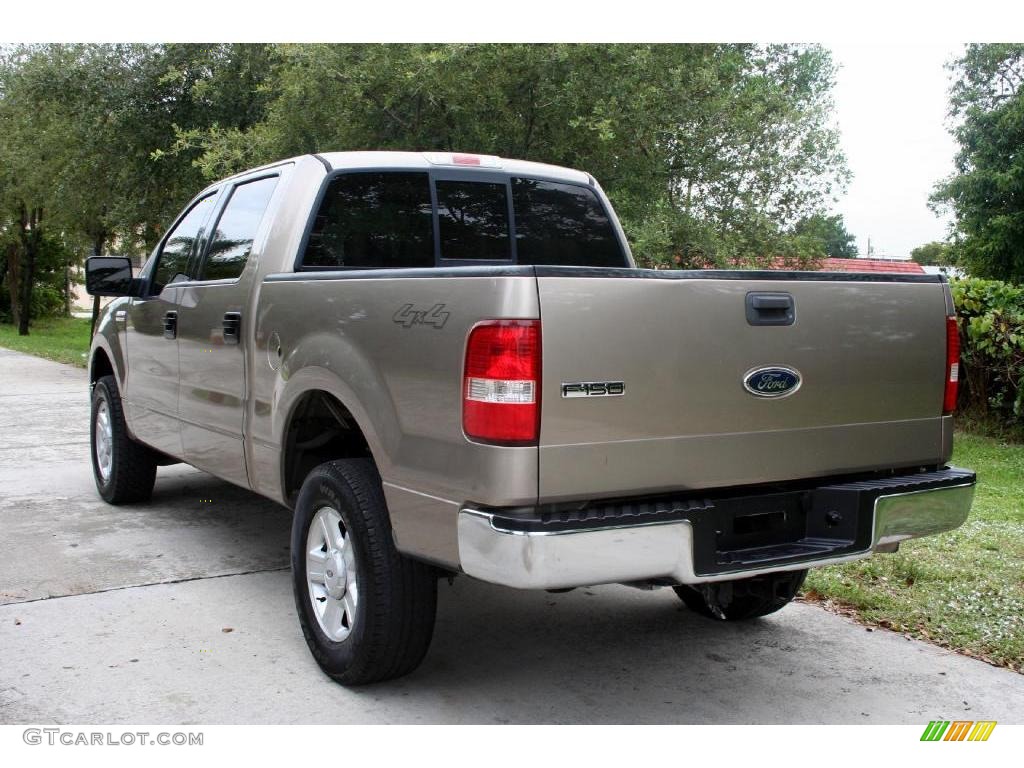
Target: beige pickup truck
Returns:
[[449, 364]]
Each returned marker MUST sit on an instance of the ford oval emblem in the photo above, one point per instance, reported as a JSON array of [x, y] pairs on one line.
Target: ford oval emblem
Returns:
[[772, 381]]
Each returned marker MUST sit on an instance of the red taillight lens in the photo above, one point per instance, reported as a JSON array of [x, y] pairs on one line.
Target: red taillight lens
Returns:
[[952, 365], [501, 382], [458, 159]]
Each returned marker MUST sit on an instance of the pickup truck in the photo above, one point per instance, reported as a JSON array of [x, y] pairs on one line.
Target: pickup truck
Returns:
[[449, 364]]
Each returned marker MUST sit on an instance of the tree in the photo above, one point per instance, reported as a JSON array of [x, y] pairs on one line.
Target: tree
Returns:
[[89, 149], [711, 153], [699, 146], [830, 232], [986, 192], [933, 254]]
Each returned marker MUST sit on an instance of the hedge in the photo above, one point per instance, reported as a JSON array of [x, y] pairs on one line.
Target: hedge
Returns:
[[991, 320]]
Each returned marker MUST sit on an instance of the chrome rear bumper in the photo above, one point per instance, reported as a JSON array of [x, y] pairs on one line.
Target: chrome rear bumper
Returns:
[[665, 550]]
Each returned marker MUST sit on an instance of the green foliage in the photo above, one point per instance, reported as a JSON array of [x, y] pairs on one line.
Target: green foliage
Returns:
[[90, 148], [935, 253], [49, 296], [986, 193], [829, 232], [707, 151], [991, 319]]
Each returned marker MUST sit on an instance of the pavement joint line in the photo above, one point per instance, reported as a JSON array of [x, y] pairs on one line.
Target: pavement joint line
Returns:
[[69, 392], [47, 445], [184, 580]]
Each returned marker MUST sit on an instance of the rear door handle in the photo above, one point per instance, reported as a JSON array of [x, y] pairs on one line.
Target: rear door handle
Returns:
[[232, 327], [171, 325], [770, 309]]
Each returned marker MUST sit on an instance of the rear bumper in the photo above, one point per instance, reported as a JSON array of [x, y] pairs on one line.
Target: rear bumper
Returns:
[[714, 538]]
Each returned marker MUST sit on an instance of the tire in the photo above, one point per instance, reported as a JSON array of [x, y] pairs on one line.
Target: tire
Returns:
[[742, 599], [124, 470], [382, 628]]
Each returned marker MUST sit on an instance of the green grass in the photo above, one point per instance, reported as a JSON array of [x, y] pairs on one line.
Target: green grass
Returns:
[[64, 339], [964, 589]]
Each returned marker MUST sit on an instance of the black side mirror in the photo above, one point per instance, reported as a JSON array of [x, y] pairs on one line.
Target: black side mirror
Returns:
[[109, 276]]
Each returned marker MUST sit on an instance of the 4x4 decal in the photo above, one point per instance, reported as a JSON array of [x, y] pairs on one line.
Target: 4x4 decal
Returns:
[[408, 316]]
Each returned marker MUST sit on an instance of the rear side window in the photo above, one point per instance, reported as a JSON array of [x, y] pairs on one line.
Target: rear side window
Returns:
[[231, 242], [473, 219], [372, 221], [563, 225], [181, 245]]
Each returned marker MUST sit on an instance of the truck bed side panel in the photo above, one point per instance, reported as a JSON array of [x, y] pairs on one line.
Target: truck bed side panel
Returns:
[[391, 350]]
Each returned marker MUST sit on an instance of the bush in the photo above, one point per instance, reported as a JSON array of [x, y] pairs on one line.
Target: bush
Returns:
[[991, 319]]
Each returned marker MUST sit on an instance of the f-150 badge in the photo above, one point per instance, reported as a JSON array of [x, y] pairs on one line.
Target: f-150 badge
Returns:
[[772, 381], [593, 389]]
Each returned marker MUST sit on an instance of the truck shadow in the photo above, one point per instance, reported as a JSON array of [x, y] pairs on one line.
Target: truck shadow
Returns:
[[613, 654], [608, 654]]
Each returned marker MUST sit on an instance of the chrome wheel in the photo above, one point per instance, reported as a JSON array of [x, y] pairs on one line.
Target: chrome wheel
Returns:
[[331, 574], [104, 441]]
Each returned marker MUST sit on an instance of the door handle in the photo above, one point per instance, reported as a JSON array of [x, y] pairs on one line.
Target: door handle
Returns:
[[770, 309], [171, 325], [232, 327]]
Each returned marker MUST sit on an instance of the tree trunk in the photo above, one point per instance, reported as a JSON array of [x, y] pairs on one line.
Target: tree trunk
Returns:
[[67, 288], [14, 281], [31, 233], [97, 250]]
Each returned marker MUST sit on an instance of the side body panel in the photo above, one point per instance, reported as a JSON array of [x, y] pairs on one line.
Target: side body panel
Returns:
[[402, 383], [214, 379], [151, 381], [109, 337]]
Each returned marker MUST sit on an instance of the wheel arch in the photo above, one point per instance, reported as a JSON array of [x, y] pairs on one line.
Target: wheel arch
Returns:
[[105, 352], [100, 365], [321, 426]]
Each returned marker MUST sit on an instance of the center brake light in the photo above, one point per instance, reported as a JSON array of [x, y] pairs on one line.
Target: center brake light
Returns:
[[952, 366], [463, 159], [501, 382]]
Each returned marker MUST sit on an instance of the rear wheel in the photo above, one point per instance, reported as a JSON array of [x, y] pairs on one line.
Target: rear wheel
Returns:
[[124, 470], [740, 599], [366, 611]]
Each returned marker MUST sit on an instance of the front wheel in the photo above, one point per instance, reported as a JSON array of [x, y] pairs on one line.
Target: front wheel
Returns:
[[124, 470], [741, 599], [366, 611]]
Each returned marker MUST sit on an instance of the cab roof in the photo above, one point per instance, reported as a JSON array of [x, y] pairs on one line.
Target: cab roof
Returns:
[[449, 160]]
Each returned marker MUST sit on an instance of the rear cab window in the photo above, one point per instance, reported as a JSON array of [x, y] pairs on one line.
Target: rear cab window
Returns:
[[563, 225], [413, 219], [373, 221]]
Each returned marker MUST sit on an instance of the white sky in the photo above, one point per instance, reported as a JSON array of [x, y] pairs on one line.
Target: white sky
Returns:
[[891, 102]]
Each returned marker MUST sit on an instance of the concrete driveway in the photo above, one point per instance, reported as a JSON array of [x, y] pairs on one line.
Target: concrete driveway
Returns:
[[180, 611]]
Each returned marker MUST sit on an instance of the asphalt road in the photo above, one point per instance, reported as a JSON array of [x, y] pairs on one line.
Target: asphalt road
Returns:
[[119, 615]]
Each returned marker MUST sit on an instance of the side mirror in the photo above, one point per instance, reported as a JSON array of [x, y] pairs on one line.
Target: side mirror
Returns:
[[109, 276]]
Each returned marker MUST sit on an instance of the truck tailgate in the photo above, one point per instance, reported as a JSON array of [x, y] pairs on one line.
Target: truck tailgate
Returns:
[[869, 354]]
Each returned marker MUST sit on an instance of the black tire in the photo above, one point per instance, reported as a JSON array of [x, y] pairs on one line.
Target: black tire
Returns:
[[742, 599], [397, 596], [132, 467]]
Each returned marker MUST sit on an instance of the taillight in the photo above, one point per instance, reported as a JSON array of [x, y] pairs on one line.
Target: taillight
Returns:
[[952, 365], [501, 382]]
